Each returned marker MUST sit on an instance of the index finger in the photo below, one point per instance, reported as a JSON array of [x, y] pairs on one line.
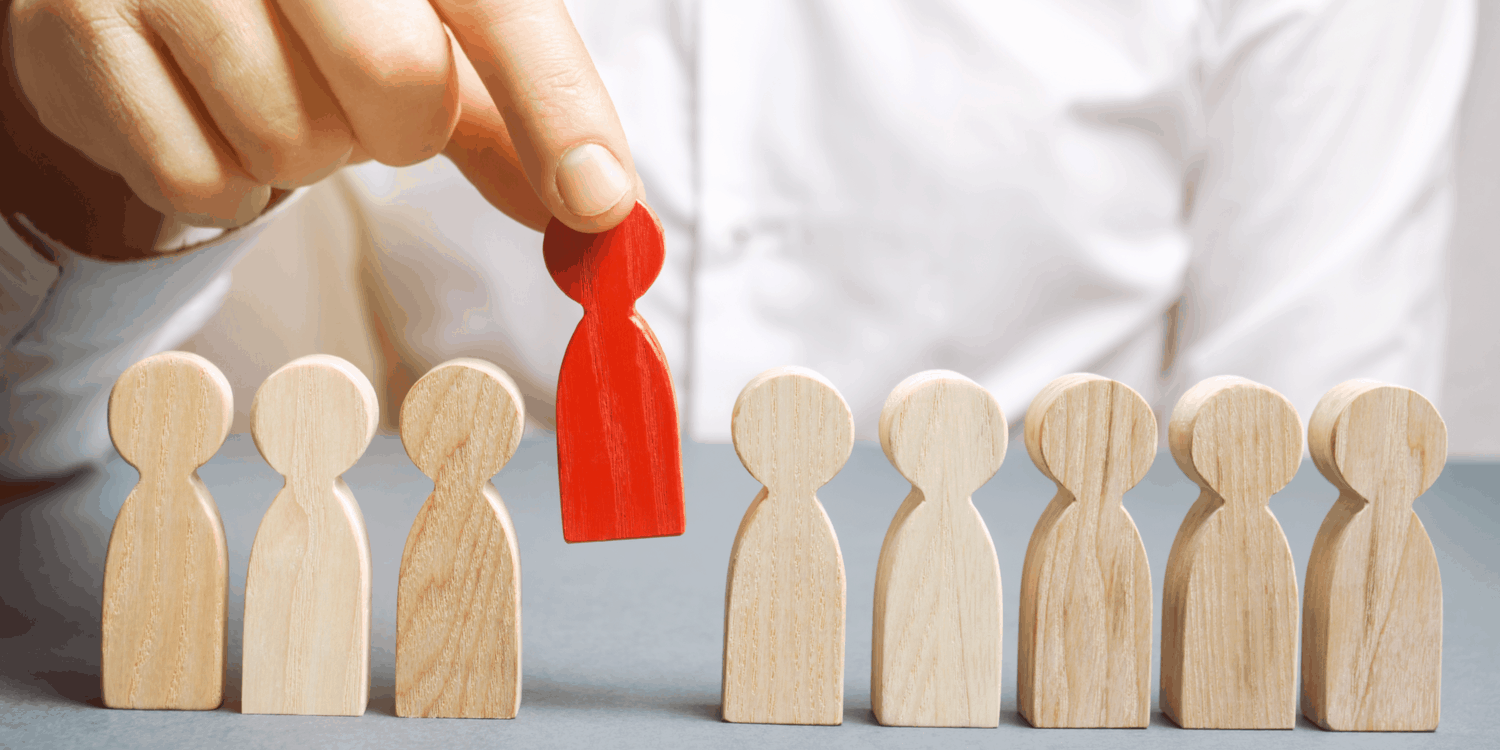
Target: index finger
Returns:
[[561, 119]]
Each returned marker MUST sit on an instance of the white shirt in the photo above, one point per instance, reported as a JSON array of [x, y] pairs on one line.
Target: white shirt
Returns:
[[1010, 190]]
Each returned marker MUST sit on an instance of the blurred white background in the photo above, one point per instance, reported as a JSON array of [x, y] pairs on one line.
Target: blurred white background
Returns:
[[318, 305], [1470, 401]]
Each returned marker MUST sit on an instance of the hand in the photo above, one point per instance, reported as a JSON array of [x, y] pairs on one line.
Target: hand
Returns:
[[202, 107]]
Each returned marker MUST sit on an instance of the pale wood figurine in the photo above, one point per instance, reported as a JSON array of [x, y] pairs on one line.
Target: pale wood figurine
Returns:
[[784, 599], [936, 656], [1085, 630], [1229, 603], [307, 593], [1372, 630], [458, 599], [166, 575]]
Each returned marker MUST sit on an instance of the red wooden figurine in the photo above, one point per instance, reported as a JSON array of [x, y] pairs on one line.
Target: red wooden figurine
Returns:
[[619, 457]]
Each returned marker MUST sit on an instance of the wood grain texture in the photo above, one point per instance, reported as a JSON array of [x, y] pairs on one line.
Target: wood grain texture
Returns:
[[1372, 628], [166, 574], [937, 627], [1085, 630], [785, 595], [458, 599], [1229, 602], [307, 593], [619, 453]]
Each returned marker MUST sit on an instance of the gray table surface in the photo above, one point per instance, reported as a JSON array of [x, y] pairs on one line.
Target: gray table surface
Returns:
[[622, 640]]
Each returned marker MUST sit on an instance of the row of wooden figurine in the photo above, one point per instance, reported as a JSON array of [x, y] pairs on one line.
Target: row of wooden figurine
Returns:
[[1372, 616], [1086, 591]]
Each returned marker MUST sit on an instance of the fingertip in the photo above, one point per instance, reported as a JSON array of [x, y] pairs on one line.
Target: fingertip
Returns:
[[591, 181], [230, 216], [603, 222], [252, 205], [595, 190]]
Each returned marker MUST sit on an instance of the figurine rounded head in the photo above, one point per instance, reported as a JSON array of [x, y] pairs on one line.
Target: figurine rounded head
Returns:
[[609, 268], [792, 429], [465, 415], [170, 407], [314, 417], [1236, 437], [942, 414], [1383, 442], [1091, 434]]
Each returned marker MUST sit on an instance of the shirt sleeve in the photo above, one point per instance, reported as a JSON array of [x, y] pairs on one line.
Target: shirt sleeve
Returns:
[[26, 274], [70, 324], [1321, 209]]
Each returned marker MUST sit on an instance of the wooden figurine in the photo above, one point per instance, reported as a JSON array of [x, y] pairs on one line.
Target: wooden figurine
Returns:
[[1372, 631], [1085, 635], [1229, 605], [458, 600], [936, 656], [784, 599], [166, 575], [619, 456], [307, 593]]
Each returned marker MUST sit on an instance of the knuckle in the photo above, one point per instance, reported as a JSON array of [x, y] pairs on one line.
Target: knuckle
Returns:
[[562, 81], [411, 63], [412, 103], [416, 114], [561, 91], [420, 139], [409, 146], [287, 156]]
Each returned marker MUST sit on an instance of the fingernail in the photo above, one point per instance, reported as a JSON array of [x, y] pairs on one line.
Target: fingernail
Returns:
[[591, 180]]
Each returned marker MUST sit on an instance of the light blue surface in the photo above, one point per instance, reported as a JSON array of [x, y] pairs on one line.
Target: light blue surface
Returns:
[[622, 640]]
